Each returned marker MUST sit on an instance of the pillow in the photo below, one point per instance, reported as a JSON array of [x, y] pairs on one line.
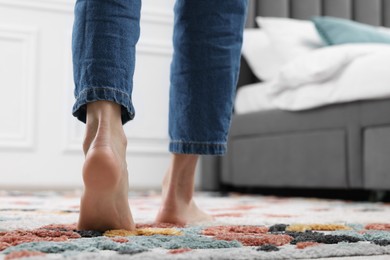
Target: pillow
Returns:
[[278, 41], [322, 65], [340, 31], [290, 37], [261, 57], [362, 74]]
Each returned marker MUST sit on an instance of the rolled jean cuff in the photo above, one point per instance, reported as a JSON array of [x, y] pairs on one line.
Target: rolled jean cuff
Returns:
[[209, 148], [91, 94]]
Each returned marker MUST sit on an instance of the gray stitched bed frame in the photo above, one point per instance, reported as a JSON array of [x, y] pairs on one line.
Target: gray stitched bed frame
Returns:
[[344, 146]]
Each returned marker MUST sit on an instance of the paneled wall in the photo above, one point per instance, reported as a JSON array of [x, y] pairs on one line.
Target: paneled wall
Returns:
[[40, 142]]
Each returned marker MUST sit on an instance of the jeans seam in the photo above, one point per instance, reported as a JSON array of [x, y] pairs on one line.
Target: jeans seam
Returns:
[[91, 94], [190, 147], [198, 143], [86, 89]]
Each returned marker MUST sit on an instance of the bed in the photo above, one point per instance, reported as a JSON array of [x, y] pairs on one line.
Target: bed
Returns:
[[345, 145]]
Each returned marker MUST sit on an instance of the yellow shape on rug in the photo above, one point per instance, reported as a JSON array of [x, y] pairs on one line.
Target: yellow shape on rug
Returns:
[[143, 232], [319, 227]]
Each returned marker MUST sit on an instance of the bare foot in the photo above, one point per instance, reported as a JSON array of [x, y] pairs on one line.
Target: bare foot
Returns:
[[178, 206], [104, 203]]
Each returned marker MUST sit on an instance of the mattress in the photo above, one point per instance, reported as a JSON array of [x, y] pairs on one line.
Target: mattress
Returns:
[[253, 98]]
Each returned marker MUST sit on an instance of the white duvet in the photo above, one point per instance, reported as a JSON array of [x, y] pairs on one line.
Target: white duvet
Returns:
[[324, 76]]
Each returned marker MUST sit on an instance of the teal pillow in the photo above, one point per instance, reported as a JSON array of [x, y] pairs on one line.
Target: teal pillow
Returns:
[[335, 31]]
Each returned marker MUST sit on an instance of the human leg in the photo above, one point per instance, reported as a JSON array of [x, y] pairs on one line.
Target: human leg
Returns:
[[104, 203], [178, 206], [204, 73], [104, 38]]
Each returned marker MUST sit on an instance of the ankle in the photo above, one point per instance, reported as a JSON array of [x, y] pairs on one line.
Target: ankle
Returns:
[[103, 116], [89, 136], [104, 125], [101, 110], [175, 197], [178, 183]]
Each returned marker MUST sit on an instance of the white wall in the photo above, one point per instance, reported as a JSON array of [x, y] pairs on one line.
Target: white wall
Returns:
[[40, 142]]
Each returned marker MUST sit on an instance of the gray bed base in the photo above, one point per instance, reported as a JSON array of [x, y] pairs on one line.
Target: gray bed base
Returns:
[[343, 146]]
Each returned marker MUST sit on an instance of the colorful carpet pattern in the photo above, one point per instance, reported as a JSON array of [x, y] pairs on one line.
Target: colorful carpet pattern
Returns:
[[42, 226]]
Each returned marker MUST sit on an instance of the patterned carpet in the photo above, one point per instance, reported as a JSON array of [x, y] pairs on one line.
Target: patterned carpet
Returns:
[[42, 226]]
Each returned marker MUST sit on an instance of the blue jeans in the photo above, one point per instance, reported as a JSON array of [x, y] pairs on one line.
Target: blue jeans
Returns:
[[207, 43]]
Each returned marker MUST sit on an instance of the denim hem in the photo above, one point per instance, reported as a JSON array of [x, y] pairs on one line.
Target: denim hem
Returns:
[[91, 94], [189, 147]]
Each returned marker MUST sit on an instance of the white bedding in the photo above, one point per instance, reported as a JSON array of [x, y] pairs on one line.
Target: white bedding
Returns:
[[253, 97], [324, 76]]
